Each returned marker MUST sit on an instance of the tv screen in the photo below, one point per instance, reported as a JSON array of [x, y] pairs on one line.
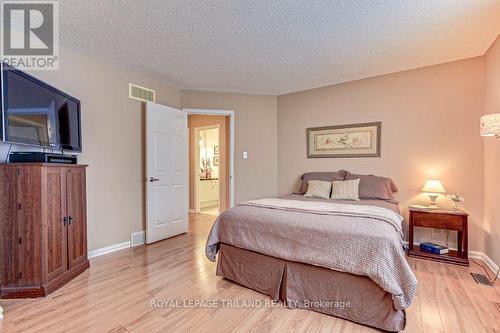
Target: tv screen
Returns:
[[37, 114]]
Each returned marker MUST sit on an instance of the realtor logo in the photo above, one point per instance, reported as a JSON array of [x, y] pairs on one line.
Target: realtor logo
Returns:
[[30, 34]]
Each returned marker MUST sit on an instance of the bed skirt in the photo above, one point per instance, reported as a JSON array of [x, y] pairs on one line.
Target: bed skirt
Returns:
[[344, 295]]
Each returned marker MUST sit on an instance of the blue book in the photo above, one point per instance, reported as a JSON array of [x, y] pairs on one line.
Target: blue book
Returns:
[[434, 248]]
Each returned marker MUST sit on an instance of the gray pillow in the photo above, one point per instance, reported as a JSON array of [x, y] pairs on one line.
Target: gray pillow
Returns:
[[324, 176], [374, 187]]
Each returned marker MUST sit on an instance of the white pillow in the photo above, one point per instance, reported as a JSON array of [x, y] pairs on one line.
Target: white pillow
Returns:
[[318, 189], [345, 190]]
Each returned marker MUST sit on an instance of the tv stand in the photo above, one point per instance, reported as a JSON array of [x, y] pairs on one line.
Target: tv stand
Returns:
[[43, 227]]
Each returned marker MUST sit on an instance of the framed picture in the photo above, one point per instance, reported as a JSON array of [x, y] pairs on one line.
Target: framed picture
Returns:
[[355, 140], [216, 160], [216, 150]]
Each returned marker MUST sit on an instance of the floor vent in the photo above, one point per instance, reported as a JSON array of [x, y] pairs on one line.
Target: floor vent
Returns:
[[481, 279], [140, 93]]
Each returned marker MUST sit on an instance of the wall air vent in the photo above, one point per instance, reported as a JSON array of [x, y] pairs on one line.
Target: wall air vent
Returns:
[[140, 93]]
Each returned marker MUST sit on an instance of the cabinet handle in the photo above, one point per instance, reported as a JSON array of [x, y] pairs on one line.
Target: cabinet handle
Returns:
[[70, 220], [65, 221]]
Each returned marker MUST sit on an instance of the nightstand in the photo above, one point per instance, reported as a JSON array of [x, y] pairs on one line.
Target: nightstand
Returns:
[[440, 219]]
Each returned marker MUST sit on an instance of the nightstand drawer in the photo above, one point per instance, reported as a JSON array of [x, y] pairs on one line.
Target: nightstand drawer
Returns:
[[444, 221]]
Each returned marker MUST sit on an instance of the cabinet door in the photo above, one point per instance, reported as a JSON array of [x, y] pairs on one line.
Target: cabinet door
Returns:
[[55, 205], [8, 224], [76, 212], [29, 229]]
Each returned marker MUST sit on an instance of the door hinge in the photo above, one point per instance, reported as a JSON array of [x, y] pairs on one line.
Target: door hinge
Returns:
[[20, 240], [19, 206], [18, 171]]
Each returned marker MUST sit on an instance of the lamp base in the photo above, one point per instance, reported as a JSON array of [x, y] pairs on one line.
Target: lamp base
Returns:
[[433, 200]]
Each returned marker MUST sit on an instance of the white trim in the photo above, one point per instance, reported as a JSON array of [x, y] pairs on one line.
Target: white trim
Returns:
[[474, 255], [484, 258], [229, 113], [109, 249], [117, 247]]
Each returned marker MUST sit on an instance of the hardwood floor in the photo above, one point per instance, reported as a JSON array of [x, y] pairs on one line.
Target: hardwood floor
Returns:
[[115, 296]]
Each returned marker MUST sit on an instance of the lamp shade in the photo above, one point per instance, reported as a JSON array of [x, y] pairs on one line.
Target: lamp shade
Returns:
[[433, 186], [490, 125]]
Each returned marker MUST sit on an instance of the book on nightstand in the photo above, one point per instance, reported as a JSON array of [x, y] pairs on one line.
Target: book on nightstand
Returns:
[[434, 248]]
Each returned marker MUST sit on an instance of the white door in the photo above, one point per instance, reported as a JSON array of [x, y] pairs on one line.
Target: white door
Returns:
[[166, 171]]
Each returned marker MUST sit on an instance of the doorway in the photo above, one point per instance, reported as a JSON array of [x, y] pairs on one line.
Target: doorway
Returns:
[[171, 170], [211, 161], [207, 156]]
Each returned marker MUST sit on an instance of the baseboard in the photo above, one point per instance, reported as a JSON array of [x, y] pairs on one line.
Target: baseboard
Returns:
[[474, 255], [109, 249], [136, 238], [484, 258]]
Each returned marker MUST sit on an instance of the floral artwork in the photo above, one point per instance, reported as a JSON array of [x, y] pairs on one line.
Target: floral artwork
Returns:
[[206, 171], [357, 140]]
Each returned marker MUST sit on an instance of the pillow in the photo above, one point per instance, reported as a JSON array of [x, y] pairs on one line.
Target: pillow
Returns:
[[324, 176], [345, 190], [374, 187], [318, 189]]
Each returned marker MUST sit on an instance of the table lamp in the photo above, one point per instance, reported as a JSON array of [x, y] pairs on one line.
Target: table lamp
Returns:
[[433, 188]]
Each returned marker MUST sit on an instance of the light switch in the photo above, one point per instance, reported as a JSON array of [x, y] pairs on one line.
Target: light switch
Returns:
[[245, 155]]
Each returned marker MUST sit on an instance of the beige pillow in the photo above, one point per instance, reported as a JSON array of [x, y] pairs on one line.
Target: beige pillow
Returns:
[[318, 189], [345, 190]]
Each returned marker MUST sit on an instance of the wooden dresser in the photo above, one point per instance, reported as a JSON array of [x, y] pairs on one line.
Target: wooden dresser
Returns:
[[43, 227]]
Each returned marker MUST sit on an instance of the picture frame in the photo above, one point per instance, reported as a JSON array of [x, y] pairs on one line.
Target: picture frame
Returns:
[[345, 141], [216, 161]]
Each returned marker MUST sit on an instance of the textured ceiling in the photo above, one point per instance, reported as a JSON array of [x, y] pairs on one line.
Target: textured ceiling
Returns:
[[280, 46]]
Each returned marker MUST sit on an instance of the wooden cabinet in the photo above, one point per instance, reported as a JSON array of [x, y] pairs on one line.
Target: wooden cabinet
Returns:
[[43, 230], [209, 192]]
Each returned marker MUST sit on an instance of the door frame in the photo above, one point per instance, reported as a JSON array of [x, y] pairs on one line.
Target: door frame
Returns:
[[196, 167], [230, 114]]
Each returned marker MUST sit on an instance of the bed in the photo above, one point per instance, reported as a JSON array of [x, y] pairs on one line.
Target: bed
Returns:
[[338, 258]]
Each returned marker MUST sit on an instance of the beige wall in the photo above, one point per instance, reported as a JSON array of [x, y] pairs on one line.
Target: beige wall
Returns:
[[112, 141], [492, 156], [255, 132], [429, 130], [223, 123]]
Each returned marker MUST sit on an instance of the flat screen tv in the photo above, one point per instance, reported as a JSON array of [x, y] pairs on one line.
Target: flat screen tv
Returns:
[[37, 114]]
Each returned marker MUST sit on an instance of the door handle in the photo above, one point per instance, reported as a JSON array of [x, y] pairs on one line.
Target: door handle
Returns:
[[152, 179], [70, 220], [65, 221]]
